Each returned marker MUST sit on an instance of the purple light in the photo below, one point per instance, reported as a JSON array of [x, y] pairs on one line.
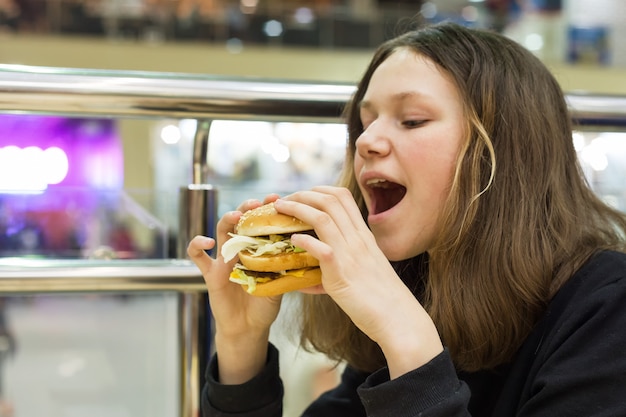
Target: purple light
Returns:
[[41, 151], [31, 169], [61, 181]]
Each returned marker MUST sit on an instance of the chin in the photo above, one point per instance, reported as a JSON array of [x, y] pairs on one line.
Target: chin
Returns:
[[396, 249], [392, 250]]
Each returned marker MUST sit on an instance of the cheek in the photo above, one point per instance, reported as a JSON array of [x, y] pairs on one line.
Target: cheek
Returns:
[[357, 164], [444, 173], [357, 167], [432, 171]]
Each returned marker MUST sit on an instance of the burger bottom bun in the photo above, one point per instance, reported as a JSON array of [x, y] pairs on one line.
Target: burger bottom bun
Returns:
[[287, 283], [279, 262]]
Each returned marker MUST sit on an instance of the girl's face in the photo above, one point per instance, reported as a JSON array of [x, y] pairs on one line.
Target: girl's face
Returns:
[[413, 129]]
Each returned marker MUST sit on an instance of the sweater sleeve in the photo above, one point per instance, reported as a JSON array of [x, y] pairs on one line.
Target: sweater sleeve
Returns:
[[432, 390], [260, 397], [580, 368]]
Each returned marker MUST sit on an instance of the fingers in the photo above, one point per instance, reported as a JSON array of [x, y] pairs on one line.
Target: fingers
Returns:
[[331, 210], [315, 290], [249, 205], [224, 226], [230, 219], [338, 202], [197, 252], [271, 198]]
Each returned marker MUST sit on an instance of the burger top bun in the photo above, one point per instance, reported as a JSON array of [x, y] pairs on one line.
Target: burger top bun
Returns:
[[265, 220]]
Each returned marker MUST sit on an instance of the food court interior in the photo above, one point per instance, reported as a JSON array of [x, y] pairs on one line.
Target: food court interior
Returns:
[[83, 188]]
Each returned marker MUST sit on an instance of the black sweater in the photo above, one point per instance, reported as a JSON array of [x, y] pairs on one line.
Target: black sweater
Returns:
[[572, 364]]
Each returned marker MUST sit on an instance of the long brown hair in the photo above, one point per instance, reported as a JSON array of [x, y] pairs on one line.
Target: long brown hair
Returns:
[[520, 218]]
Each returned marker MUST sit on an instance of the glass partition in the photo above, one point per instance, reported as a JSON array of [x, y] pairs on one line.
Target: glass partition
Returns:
[[93, 354], [603, 158], [79, 223], [246, 159]]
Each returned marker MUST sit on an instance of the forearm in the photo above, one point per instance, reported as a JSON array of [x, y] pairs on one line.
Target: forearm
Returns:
[[411, 343], [409, 339], [240, 358]]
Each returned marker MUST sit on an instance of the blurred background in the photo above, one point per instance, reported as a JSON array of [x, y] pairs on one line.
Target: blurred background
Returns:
[[577, 30], [107, 188]]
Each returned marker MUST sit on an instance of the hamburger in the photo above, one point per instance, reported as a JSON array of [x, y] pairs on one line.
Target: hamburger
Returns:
[[269, 264]]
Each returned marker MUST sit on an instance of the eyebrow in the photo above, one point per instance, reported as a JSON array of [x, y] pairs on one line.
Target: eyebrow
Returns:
[[402, 96]]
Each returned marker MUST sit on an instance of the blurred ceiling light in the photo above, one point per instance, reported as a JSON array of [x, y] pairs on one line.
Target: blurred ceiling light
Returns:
[[304, 15], [188, 127], [273, 28], [579, 141], [469, 13], [234, 45], [278, 151], [31, 168], [476, 1], [248, 6], [56, 164], [429, 10], [534, 42], [170, 134], [613, 142], [594, 155]]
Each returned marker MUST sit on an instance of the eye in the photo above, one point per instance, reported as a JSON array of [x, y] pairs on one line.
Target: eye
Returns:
[[412, 124]]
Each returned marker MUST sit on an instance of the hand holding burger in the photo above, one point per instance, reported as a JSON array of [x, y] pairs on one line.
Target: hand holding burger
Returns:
[[268, 263]]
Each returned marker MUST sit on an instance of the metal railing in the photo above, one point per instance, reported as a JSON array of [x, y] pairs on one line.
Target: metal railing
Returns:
[[152, 94], [23, 275], [80, 92], [148, 94]]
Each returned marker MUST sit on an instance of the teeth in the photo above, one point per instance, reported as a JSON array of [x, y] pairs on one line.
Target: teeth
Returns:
[[376, 182]]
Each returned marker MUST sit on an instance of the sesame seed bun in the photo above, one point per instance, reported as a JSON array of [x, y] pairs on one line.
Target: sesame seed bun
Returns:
[[265, 220], [274, 273]]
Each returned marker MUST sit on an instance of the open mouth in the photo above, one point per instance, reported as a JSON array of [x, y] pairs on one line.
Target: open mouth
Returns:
[[384, 195]]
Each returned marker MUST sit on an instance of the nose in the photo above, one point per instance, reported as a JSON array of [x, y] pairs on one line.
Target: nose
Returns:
[[373, 141]]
